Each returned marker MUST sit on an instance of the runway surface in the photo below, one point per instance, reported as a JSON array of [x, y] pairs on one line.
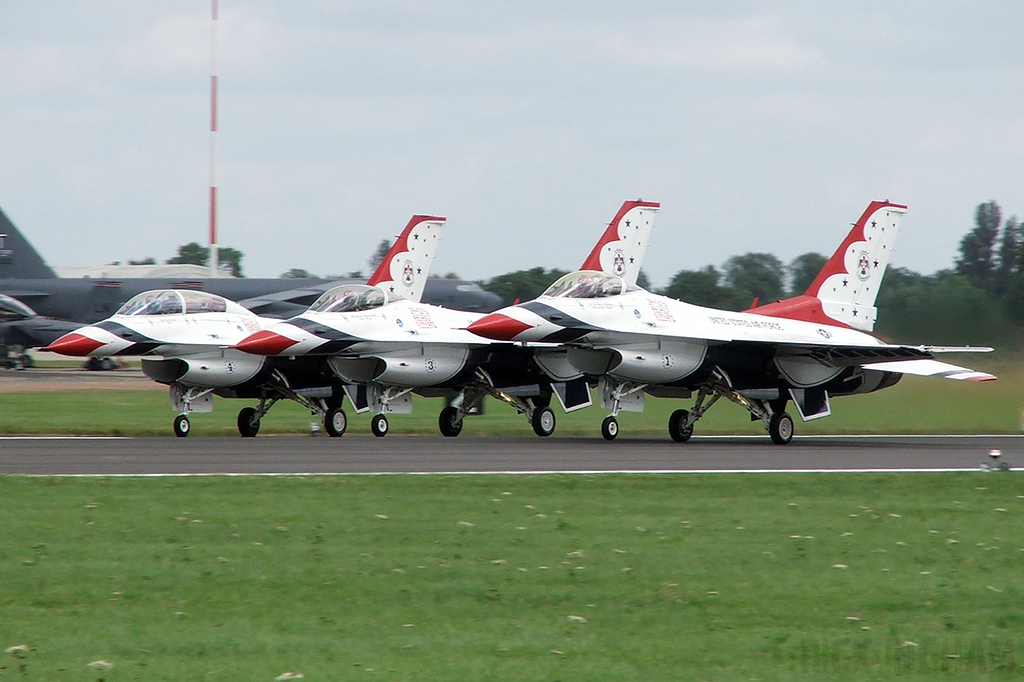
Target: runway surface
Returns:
[[398, 454]]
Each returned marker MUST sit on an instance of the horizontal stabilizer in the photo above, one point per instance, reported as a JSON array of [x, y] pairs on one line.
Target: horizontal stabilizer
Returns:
[[931, 368]]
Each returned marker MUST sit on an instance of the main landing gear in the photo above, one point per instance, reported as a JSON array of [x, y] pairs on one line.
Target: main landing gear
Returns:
[[334, 418], [772, 413], [535, 408], [318, 401]]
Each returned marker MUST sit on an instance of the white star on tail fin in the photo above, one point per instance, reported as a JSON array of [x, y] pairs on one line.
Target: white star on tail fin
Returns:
[[403, 272], [844, 291], [620, 251]]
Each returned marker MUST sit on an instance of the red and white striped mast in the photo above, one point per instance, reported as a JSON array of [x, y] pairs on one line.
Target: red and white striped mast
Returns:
[[214, 264]]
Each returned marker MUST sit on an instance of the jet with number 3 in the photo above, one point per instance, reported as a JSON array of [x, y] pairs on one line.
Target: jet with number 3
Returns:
[[803, 350]]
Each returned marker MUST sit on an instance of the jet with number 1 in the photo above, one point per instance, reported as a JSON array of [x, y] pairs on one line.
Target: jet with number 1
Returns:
[[805, 349]]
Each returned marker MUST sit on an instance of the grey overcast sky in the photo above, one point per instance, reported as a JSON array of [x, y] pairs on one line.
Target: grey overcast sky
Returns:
[[758, 126]]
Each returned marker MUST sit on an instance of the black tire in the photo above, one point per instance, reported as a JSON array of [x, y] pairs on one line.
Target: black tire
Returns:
[[610, 428], [543, 422], [675, 426], [335, 422], [379, 425], [449, 423], [182, 426], [780, 428], [248, 424]]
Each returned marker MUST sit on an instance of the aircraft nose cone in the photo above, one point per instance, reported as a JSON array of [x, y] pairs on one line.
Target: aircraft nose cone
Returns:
[[73, 344], [498, 327], [265, 343]]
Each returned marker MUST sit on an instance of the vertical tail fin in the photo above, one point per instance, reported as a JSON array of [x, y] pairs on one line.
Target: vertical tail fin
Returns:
[[620, 251], [18, 259], [844, 291], [404, 271]]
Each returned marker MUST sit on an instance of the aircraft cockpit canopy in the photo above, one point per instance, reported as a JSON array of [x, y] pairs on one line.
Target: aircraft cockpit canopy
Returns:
[[589, 284], [12, 309], [174, 302], [349, 299]]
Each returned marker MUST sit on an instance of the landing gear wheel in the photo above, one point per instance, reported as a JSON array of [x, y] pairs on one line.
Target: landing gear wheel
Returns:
[[248, 424], [181, 426], [543, 422], [679, 433], [449, 423], [780, 428], [610, 428], [379, 425], [335, 422]]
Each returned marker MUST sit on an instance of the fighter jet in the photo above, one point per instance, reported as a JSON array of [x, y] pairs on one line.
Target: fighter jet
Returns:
[[386, 349], [21, 328], [185, 339], [805, 349]]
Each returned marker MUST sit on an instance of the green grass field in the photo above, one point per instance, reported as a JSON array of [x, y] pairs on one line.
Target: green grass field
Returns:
[[612, 577], [915, 405], [674, 577]]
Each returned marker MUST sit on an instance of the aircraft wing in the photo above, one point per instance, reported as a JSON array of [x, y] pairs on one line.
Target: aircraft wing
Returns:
[[887, 354], [34, 332]]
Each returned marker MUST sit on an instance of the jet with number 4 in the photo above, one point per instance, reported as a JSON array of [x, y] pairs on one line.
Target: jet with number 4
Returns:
[[805, 349], [385, 349], [185, 339]]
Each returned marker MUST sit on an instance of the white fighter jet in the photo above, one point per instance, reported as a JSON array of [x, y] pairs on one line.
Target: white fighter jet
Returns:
[[185, 339], [386, 349], [803, 349]]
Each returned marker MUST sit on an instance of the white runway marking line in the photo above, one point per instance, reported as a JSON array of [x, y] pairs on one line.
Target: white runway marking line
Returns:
[[631, 472], [66, 437], [817, 436]]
